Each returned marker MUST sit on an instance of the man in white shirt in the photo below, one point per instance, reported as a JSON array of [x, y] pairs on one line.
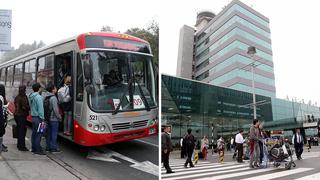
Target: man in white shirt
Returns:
[[297, 141], [232, 143], [239, 143]]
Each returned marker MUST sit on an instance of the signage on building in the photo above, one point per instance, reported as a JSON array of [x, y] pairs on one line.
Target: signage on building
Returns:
[[312, 124], [5, 30]]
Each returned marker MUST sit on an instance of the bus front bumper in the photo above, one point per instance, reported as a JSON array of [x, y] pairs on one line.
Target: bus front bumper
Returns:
[[87, 138]]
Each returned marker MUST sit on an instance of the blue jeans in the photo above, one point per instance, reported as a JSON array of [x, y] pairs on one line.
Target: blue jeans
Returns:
[[36, 137], [52, 133], [67, 119]]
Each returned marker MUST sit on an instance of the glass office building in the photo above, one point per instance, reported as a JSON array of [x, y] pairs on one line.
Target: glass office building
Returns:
[[217, 111], [220, 50]]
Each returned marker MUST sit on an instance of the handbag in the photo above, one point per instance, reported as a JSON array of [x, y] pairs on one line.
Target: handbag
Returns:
[[14, 131]]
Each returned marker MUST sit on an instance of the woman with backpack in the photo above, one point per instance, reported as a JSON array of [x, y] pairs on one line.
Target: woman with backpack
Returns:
[[20, 116], [65, 98], [3, 116]]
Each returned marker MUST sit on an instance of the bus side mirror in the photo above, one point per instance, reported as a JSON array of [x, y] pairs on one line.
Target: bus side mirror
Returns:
[[89, 89], [87, 70]]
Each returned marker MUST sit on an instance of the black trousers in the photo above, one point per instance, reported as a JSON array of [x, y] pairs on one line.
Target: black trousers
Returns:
[[165, 160], [299, 149], [189, 161], [261, 151], [240, 151], [183, 152], [21, 130]]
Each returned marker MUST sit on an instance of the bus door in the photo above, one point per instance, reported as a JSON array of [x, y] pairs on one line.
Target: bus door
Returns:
[[63, 69]]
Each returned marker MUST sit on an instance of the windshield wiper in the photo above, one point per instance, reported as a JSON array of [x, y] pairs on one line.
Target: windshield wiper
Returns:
[[123, 97], [144, 99]]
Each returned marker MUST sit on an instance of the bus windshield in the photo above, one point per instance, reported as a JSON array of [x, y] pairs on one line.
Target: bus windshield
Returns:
[[121, 78]]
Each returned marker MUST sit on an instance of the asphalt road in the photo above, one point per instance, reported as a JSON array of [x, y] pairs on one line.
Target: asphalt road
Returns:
[[134, 160], [306, 169]]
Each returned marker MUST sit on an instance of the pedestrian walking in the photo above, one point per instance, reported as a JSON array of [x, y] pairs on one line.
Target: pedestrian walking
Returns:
[[309, 143], [204, 147], [297, 141], [239, 143], [22, 109], [220, 146], [182, 147], [53, 118], [232, 143], [37, 113], [166, 148], [3, 105], [190, 144], [261, 136], [254, 144], [235, 149]]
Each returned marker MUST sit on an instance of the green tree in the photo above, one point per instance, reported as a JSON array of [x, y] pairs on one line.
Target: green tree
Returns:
[[150, 34], [107, 29], [23, 49]]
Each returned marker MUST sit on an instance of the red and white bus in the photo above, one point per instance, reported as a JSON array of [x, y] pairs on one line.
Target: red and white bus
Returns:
[[113, 84]]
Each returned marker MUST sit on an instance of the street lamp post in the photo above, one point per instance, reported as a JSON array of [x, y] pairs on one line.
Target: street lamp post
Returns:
[[251, 52]]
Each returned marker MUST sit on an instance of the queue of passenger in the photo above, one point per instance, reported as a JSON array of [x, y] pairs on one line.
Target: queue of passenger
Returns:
[[45, 114]]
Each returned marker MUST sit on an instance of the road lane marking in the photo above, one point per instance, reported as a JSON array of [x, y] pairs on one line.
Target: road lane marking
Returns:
[[279, 174], [311, 177], [204, 170], [199, 166], [145, 142], [247, 171], [193, 176], [145, 166]]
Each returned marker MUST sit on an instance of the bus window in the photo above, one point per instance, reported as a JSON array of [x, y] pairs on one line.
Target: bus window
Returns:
[[45, 70], [17, 75], [63, 67], [2, 75], [79, 86], [9, 76], [29, 76]]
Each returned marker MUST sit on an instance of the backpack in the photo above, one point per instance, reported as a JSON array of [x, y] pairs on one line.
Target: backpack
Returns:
[[4, 112], [46, 108], [63, 94], [189, 141]]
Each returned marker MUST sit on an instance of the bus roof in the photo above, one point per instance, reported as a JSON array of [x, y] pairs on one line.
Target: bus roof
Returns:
[[80, 38]]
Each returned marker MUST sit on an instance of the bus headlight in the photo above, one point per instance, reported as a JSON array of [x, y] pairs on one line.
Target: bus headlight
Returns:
[[102, 128], [152, 122], [96, 127]]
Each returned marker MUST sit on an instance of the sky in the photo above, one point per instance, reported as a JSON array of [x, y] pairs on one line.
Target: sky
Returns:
[[55, 20], [294, 30], [295, 36]]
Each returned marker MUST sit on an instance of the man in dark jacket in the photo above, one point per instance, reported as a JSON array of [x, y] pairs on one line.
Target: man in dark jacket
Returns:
[[166, 148], [55, 118], [20, 116], [297, 141], [190, 143]]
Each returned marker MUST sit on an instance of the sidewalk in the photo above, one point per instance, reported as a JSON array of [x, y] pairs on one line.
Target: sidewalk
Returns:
[[18, 165]]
